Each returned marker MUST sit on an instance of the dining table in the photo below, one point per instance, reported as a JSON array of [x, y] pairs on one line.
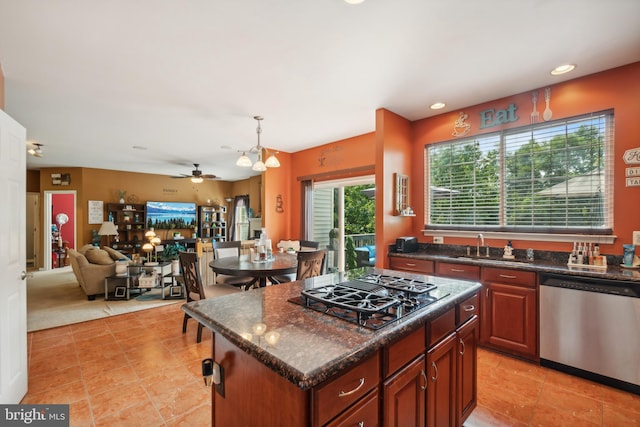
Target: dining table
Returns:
[[243, 266]]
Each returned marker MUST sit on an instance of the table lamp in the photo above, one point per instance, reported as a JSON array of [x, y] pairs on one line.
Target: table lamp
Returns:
[[108, 228]]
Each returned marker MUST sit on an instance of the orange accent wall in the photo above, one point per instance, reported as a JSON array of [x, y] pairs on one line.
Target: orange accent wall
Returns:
[[353, 156], [617, 89], [393, 155], [277, 200]]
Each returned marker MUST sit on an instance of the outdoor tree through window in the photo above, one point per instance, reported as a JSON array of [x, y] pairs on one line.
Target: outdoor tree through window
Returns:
[[553, 177]]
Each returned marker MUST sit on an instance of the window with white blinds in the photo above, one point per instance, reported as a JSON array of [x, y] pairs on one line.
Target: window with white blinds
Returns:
[[548, 177]]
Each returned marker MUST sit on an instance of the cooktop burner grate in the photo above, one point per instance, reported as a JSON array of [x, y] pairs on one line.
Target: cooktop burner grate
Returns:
[[372, 301]]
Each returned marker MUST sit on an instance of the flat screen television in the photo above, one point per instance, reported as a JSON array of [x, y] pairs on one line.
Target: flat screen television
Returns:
[[167, 215]]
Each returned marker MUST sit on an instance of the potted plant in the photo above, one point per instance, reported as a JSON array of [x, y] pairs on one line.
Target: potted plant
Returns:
[[334, 233], [170, 253]]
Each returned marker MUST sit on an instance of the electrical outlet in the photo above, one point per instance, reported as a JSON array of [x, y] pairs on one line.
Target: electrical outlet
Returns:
[[636, 238], [438, 239]]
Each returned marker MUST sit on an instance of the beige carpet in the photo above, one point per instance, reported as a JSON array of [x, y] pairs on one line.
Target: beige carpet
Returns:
[[54, 298]]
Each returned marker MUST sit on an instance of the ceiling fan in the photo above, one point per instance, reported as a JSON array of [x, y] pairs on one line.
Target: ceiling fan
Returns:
[[35, 149], [196, 175]]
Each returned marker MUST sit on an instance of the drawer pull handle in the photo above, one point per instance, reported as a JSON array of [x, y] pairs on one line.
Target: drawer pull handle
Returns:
[[424, 377], [469, 307], [462, 347], [508, 276], [435, 368], [410, 264], [347, 393], [457, 270], [361, 424]]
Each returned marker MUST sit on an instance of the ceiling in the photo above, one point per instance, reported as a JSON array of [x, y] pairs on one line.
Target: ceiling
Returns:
[[183, 79]]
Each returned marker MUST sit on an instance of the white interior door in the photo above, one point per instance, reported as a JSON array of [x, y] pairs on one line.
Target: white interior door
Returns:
[[13, 290]]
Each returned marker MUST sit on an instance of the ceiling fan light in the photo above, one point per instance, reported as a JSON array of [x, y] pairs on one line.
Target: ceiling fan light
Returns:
[[272, 162], [259, 166], [244, 161], [196, 179]]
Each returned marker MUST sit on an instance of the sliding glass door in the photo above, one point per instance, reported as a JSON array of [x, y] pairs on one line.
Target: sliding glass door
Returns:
[[343, 218]]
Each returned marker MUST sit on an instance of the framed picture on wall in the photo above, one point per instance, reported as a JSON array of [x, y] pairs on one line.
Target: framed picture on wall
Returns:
[[95, 211]]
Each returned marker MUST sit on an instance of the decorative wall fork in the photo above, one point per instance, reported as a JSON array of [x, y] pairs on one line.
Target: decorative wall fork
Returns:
[[546, 115], [534, 100]]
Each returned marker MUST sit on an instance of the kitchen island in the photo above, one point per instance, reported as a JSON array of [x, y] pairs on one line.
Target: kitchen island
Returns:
[[281, 362]]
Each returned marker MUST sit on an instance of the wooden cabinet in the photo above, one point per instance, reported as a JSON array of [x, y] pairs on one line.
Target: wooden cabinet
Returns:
[[363, 413], [441, 388], [466, 376], [406, 381], [331, 398], [212, 223], [458, 271], [130, 220], [422, 266], [404, 396], [509, 311]]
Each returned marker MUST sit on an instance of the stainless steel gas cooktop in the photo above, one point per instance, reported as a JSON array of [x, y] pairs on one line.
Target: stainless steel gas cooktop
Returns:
[[372, 300]]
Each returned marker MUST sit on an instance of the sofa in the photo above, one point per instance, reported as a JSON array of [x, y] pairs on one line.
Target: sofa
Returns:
[[366, 256], [91, 265]]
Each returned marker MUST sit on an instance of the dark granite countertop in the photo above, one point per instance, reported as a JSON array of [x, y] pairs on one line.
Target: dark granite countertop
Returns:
[[312, 346], [550, 264]]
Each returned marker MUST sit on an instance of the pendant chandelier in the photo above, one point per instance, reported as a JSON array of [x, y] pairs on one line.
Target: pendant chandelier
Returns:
[[260, 165]]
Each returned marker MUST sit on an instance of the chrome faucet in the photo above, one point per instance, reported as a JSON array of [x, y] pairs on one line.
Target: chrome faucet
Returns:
[[479, 243]]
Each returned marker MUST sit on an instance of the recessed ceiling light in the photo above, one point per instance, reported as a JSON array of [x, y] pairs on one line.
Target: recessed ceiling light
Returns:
[[437, 106], [354, 1], [562, 69]]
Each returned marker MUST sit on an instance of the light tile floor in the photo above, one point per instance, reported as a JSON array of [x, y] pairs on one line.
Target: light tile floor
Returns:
[[138, 369]]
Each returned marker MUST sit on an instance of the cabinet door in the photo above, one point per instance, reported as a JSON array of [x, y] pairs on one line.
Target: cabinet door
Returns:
[[467, 352], [509, 318], [441, 391], [404, 396]]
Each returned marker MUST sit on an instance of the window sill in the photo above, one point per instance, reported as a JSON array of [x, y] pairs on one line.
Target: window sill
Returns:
[[539, 237]]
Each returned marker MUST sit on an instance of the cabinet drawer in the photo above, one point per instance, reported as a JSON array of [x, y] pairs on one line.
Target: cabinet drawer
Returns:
[[363, 413], [458, 271], [467, 309], [409, 264], [512, 277], [440, 327], [332, 398], [403, 351]]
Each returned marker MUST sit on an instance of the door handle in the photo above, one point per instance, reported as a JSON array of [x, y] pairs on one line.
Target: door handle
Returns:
[[24, 275]]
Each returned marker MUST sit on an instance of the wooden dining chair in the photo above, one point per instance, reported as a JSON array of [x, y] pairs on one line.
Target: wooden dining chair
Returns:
[[230, 249], [309, 245], [311, 264], [195, 290]]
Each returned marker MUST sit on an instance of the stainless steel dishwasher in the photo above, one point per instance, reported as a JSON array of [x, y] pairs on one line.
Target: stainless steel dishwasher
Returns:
[[590, 327]]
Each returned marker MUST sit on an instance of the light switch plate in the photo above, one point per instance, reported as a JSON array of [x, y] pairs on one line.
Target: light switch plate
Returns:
[[438, 239], [636, 238]]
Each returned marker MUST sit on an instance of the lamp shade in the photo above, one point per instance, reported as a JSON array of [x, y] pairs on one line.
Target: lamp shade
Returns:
[[150, 233], [244, 161], [107, 228], [272, 162]]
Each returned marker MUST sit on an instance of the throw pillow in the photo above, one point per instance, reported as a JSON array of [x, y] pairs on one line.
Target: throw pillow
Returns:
[[114, 254], [98, 256]]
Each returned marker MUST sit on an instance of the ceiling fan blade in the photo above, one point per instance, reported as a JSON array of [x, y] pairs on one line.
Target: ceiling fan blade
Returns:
[[208, 176]]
